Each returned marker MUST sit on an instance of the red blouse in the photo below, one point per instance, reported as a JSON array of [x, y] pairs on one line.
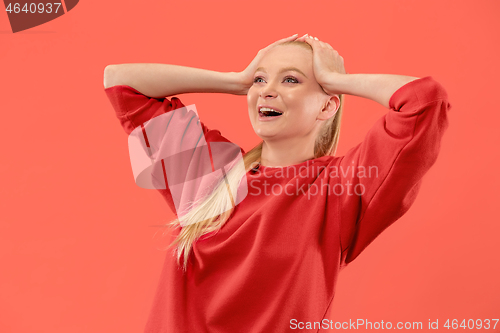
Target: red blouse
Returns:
[[277, 258]]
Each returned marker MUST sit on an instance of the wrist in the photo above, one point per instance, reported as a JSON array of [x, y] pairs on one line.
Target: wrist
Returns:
[[237, 82], [335, 83]]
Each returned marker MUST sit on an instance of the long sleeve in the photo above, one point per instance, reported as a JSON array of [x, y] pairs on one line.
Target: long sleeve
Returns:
[[132, 109], [176, 135], [382, 175]]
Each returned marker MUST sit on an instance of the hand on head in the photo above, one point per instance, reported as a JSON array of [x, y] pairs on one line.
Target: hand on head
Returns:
[[327, 62], [246, 76]]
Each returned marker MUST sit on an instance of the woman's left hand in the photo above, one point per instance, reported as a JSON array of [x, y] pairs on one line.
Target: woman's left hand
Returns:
[[327, 62]]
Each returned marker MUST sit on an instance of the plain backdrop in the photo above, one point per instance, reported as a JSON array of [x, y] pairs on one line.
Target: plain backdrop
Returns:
[[77, 246]]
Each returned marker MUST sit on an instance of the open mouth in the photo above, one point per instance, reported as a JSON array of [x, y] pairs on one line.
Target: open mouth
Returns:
[[268, 112]]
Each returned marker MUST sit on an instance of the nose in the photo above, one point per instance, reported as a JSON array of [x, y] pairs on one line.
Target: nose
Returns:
[[268, 91]]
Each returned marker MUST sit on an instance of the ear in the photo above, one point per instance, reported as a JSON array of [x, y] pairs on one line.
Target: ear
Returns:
[[330, 108]]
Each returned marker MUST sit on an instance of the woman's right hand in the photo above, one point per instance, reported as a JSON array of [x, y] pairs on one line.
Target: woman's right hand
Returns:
[[245, 77]]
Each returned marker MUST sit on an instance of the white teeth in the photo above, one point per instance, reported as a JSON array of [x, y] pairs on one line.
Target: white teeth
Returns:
[[269, 109]]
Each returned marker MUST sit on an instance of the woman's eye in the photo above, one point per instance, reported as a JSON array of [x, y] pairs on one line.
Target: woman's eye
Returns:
[[256, 79], [291, 78]]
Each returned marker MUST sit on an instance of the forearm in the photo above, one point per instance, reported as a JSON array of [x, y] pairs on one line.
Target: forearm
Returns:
[[377, 87], [163, 80]]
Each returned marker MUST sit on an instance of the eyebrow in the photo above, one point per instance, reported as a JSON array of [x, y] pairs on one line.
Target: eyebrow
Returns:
[[285, 69]]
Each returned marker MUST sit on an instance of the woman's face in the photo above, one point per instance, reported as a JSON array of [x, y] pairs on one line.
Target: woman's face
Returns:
[[285, 82]]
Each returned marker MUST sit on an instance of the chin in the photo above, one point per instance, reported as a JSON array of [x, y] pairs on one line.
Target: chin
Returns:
[[269, 137], [264, 135]]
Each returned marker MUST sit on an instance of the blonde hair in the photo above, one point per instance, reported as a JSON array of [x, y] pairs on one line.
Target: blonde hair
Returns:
[[212, 212]]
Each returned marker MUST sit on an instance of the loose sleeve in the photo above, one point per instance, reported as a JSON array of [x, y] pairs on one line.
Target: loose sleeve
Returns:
[[382, 175], [133, 109]]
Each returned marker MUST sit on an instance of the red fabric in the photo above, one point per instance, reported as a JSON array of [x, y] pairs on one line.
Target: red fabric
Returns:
[[279, 255]]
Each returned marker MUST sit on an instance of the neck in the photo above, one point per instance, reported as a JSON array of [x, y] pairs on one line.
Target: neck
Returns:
[[286, 152]]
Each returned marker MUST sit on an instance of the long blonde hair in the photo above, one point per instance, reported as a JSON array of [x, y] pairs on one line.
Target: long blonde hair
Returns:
[[213, 211]]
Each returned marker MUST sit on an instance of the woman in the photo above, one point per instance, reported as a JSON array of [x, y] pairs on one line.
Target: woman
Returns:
[[270, 262]]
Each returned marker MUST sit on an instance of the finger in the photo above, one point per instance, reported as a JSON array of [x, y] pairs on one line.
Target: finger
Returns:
[[270, 46], [287, 38], [305, 40], [293, 37], [322, 44], [311, 41], [302, 38], [308, 41]]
